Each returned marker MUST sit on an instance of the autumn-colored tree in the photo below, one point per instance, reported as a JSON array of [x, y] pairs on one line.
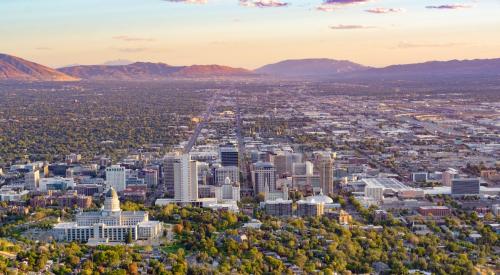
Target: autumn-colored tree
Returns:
[[133, 269], [178, 228]]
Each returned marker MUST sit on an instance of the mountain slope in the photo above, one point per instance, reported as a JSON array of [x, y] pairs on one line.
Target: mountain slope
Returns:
[[151, 71], [134, 71], [211, 70], [434, 69], [18, 69], [310, 68]]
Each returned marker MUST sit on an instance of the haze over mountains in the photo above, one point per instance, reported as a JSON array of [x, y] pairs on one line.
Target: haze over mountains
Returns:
[[17, 69]]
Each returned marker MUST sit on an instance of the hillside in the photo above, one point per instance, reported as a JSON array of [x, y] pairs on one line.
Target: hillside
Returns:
[[151, 71], [18, 69], [310, 68]]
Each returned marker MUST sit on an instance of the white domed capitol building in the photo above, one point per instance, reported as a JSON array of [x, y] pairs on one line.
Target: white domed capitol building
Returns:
[[315, 205], [110, 224]]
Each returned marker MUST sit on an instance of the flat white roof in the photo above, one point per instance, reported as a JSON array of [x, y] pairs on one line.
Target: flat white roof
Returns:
[[386, 183], [435, 207], [278, 201], [149, 223], [63, 225]]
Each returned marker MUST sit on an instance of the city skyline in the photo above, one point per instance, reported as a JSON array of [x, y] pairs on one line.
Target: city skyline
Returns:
[[249, 137], [248, 34]]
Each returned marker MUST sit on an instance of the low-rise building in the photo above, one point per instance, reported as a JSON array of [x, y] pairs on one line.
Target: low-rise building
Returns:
[[436, 211], [89, 189], [465, 187], [419, 176], [13, 196], [56, 184], [279, 207], [344, 218]]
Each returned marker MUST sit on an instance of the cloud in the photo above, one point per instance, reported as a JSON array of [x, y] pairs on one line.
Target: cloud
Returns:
[[407, 45], [263, 3], [350, 27], [127, 38], [385, 10], [344, 2], [245, 3], [450, 7], [188, 1], [331, 5]]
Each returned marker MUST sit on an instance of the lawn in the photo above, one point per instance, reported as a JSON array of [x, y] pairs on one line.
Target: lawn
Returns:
[[171, 248]]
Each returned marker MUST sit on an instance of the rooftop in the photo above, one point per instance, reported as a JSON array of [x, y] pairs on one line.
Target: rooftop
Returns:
[[317, 199], [387, 183], [436, 207]]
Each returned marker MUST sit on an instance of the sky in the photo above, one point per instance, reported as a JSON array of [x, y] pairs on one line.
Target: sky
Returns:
[[248, 33]]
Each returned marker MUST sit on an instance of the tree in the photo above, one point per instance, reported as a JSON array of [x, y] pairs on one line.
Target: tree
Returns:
[[73, 260], [133, 269], [129, 239], [300, 259], [261, 197], [489, 216], [178, 228]]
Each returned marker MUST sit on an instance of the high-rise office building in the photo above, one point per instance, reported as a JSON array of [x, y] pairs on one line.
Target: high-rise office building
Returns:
[[284, 161], [151, 177], [325, 167], [264, 177], [116, 177], [168, 173], [185, 179], [303, 169], [204, 172], [229, 155], [32, 180], [463, 187]]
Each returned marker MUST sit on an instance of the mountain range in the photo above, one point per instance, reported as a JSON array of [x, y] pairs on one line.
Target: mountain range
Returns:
[[15, 68], [310, 68], [432, 70], [18, 69], [151, 71]]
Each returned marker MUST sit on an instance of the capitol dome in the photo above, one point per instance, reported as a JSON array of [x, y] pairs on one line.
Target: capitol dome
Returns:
[[111, 201], [319, 199], [111, 193]]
